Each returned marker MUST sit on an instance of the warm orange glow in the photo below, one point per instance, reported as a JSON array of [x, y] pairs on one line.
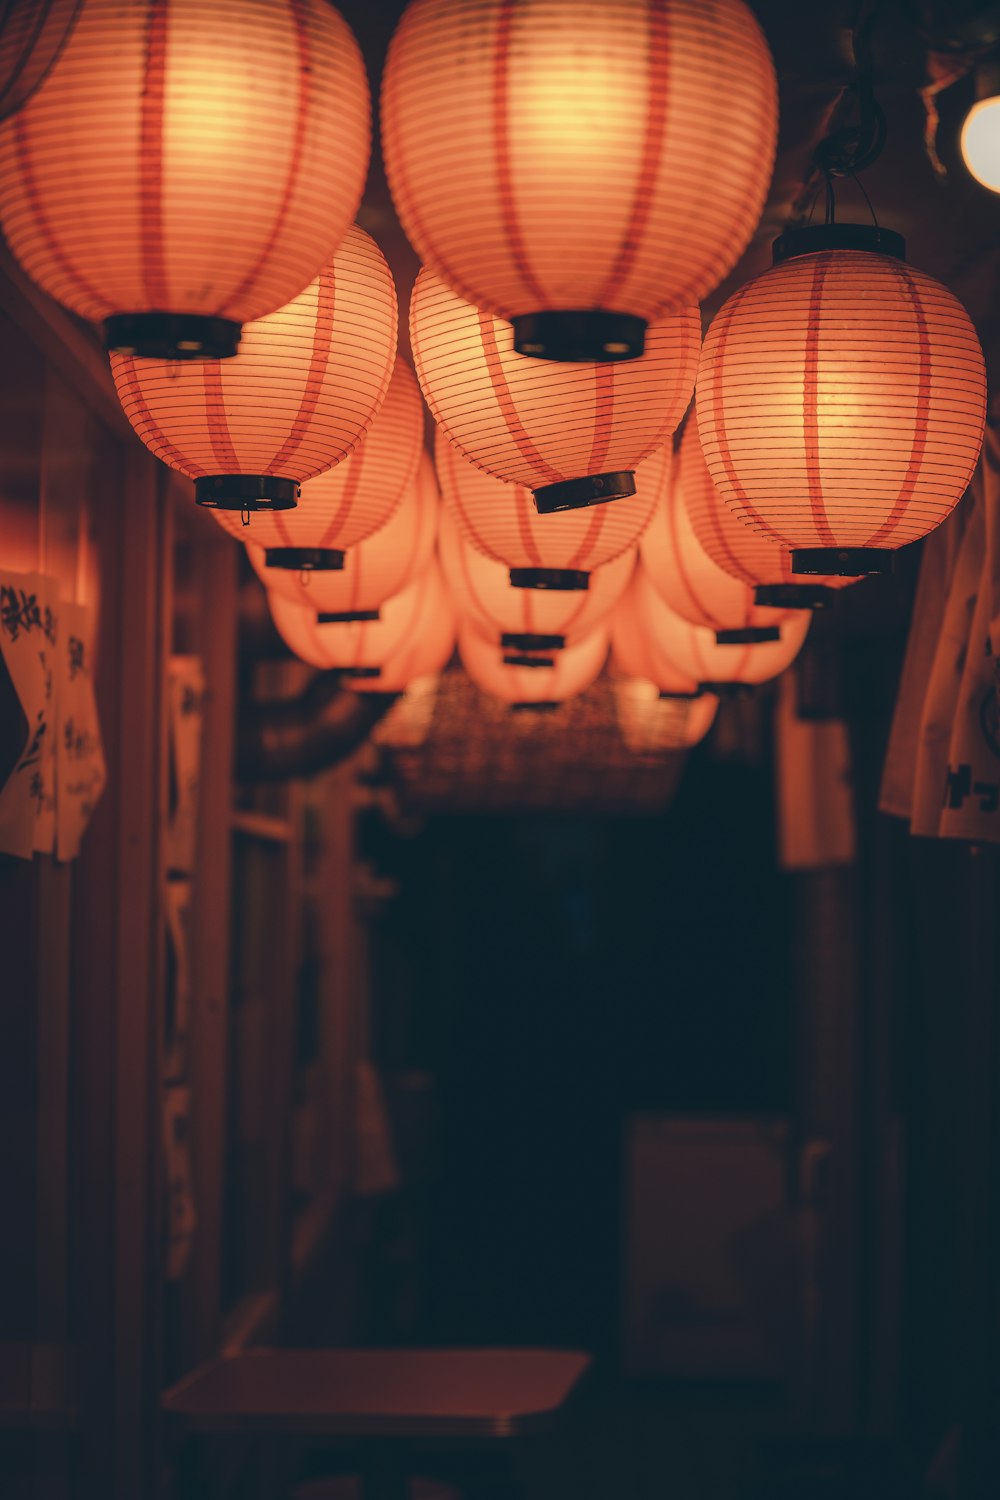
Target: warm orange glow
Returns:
[[500, 520], [377, 567], [841, 399], [203, 157], [650, 724], [573, 670], [568, 154], [537, 422], [353, 500], [689, 580], [637, 652], [426, 650], [300, 395], [361, 647], [482, 593], [693, 651]]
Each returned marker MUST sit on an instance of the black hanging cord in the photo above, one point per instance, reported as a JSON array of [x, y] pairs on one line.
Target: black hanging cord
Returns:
[[853, 147]]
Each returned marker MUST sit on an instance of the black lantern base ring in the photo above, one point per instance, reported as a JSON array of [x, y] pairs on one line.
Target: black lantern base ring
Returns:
[[576, 494], [793, 595], [543, 706], [561, 580], [666, 697], [305, 559], [521, 659], [158, 335], [347, 616], [247, 492], [728, 689], [748, 635], [841, 562], [360, 674], [526, 640], [571, 337]]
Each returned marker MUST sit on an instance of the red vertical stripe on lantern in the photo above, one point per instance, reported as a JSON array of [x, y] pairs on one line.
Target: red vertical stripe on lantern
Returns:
[[582, 556], [921, 416], [501, 132], [723, 322], [673, 525], [351, 487], [143, 420], [326, 297], [810, 404], [29, 182], [653, 145], [604, 417], [151, 130], [218, 423], [521, 510], [546, 474], [302, 107]]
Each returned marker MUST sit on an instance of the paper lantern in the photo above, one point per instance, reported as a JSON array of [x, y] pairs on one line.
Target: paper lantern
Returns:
[[376, 568], [524, 620], [32, 35], [551, 552], [981, 142], [650, 724], [360, 648], [539, 686], [636, 652], [694, 651], [424, 653], [841, 399], [572, 434], [407, 725], [576, 166], [688, 579], [309, 380], [755, 559], [186, 168], [353, 500]]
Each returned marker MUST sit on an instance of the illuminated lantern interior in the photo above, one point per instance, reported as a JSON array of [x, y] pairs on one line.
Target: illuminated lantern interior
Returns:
[[541, 685], [572, 434], [424, 652], [981, 142], [186, 168], [650, 723], [307, 383], [636, 652], [578, 167], [841, 399]]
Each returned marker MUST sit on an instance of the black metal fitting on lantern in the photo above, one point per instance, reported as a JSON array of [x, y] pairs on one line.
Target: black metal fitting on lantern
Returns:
[[592, 336], [842, 562], [748, 635], [247, 492], [527, 640], [347, 616], [577, 494], [794, 595], [157, 335], [305, 559], [525, 659], [557, 580]]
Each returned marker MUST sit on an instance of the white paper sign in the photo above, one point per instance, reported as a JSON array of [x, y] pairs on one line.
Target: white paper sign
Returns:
[[81, 772]]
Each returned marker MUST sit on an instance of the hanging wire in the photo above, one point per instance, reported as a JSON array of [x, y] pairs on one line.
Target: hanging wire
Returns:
[[847, 151]]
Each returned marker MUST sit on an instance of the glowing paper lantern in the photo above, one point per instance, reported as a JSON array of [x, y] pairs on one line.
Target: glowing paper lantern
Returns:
[[650, 723], [360, 648], [693, 651], [841, 399], [186, 168], [32, 35], [523, 620], [424, 653], [981, 142], [576, 166], [408, 723], [637, 653], [552, 552], [376, 568], [540, 685], [308, 381], [353, 500], [572, 434], [689, 580], [755, 559]]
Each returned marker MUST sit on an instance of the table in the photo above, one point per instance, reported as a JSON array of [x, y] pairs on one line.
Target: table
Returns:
[[381, 1399]]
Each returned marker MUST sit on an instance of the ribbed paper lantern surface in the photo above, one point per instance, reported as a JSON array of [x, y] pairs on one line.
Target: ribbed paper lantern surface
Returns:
[[841, 399], [187, 165], [650, 724], [376, 568], [636, 652], [308, 381], [554, 552], [552, 158], [345, 504], [689, 580], [755, 559], [426, 650], [522, 620], [539, 686], [32, 35], [693, 651], [358, 648], [572, 434]]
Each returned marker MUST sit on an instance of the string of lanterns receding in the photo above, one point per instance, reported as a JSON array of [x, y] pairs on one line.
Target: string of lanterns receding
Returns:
[[555, 166]]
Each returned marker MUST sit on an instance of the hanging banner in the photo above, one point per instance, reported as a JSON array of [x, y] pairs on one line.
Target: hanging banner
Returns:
[[186, 687], [81, 772], [28, 639]]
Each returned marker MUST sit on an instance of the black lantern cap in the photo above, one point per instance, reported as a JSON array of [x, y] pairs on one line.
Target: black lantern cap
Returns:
[[543, 706], [577, 494], [346, 616], [563, 580], [794, 595], [666, 697], [366, 674], [814, 237], [158, 335], [572, 337], [246, 492], [305, 559], [521, 659], [526, 640], [748, 635], [728, 689], [842, 562]]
